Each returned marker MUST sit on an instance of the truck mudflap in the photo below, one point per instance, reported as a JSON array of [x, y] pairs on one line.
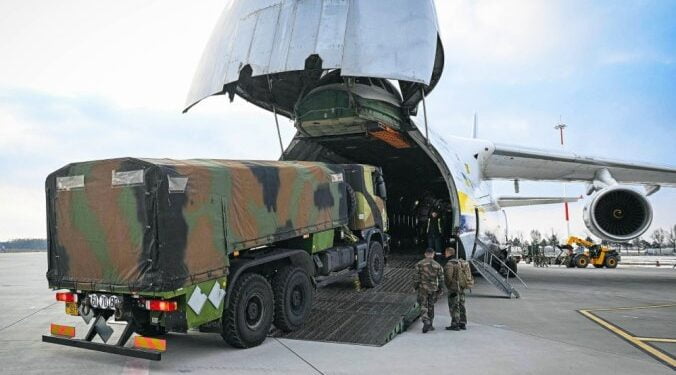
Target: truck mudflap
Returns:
[[143, 347]]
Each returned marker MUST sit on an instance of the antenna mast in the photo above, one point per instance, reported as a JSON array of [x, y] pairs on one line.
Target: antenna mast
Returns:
[[560, 127]]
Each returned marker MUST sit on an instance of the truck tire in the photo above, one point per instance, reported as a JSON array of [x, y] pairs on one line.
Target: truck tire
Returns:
[[611, 262], [248, 316], [374, 271], [293, 298], [581, 261]]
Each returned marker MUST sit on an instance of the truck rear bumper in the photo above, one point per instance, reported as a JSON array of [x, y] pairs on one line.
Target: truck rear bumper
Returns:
[[121, 350]]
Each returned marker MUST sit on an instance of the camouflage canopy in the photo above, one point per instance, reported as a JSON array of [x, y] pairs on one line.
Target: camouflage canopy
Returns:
[[160, 224]]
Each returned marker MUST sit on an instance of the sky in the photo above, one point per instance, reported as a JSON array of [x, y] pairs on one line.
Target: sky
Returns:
[[83, 80]]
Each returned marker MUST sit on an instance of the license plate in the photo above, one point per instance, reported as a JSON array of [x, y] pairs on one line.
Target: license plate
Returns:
[[71, 309], [104, 301]]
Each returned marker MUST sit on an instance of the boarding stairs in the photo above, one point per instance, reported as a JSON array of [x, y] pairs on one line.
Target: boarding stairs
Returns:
[[485, 268]]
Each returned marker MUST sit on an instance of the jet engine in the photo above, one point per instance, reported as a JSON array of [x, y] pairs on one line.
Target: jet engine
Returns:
[[617, 213]]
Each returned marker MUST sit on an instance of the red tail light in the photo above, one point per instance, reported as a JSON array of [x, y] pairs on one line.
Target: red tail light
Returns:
[[66, 297], [159, 305]]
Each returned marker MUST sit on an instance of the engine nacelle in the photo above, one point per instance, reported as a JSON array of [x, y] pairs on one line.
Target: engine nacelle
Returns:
[[617, 213]]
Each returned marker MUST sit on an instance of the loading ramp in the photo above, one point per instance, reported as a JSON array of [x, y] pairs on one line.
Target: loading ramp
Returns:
[[343, 314]]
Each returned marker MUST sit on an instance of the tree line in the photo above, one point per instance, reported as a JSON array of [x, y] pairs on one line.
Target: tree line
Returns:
[[24, 243], [659, 238]]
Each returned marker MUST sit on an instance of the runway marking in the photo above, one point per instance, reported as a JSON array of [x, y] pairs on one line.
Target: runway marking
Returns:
[[641, 343], [633, 308], [656, 339]]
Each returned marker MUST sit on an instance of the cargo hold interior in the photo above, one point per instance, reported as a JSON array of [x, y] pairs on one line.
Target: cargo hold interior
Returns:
[[415, 184]]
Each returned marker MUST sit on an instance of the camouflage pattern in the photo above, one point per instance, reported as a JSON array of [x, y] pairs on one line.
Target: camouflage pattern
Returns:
[[456, 307], [452, 276], [426, 301], [427, 280], [166, 224], [428, 276], [370, 211]]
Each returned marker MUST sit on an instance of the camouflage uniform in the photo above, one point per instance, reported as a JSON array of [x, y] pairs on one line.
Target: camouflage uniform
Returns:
[[456, 294], [427, 280], [434, 234]]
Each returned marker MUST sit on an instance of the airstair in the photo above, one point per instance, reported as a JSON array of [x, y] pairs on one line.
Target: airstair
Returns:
[[485, 268]]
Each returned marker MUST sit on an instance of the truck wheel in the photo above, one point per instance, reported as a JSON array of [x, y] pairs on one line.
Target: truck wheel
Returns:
[[611, 262], [248, 317], [374, 271], [581, 261], [293, 298]]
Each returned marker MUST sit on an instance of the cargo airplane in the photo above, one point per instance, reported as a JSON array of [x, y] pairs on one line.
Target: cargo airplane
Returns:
[[352, 74]]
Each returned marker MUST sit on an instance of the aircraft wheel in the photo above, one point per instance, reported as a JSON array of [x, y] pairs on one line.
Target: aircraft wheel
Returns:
[[293, 298], [374, 271], [611, 262], [248, 317], [581, 261]]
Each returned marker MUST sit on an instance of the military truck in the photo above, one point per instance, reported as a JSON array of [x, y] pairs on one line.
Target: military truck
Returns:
[[237, 246]]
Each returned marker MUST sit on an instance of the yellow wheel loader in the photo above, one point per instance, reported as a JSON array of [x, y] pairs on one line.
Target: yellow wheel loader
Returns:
[[586, 253]]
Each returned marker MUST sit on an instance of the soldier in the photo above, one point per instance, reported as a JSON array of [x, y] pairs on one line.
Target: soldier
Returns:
[[427, 281], [434, 232], [456, 292]]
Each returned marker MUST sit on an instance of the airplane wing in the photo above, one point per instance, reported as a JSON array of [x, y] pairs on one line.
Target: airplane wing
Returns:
[[518, 201], [520, 163]]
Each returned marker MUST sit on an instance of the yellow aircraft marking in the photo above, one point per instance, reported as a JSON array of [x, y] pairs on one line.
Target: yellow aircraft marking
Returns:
[[639, 342], [468, 204]]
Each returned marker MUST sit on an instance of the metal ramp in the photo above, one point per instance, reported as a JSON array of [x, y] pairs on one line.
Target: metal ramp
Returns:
[[494, 277], [342, 314]]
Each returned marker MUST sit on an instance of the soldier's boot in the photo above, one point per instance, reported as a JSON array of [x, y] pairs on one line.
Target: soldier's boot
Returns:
[[453, 327], [462, 326], [426, 327]]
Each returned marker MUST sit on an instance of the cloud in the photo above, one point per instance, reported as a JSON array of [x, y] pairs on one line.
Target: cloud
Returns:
[[83, 80], [43, 132], [22, 212], [494, 30], [136, 53]]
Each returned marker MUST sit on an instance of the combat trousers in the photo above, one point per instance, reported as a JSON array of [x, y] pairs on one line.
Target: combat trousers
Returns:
[[456, 306], [426, 300], [435, 242]]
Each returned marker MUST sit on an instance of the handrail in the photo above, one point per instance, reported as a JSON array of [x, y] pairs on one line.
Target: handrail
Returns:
[[506, 267]]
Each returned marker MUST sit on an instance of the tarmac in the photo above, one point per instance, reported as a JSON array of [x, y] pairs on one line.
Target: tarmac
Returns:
[[600, 321]]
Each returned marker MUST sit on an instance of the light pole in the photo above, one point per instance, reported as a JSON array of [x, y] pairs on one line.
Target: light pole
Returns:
[[560, 127]]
